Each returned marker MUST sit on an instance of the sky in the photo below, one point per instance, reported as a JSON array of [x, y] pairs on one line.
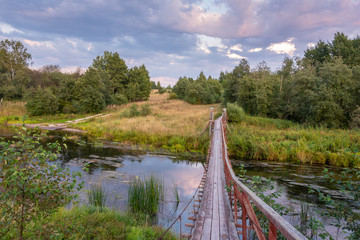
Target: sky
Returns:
[[174, 38]]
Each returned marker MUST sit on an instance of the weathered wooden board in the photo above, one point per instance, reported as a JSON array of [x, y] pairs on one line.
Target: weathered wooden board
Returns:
[[215, 220]]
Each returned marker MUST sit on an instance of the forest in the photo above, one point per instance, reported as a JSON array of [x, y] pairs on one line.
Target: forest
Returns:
[[320, 89], [47, 90]]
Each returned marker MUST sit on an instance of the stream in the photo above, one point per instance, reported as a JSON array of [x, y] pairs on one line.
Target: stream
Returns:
[[115, 167]]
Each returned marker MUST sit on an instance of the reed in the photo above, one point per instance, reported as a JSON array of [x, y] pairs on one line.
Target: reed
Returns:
[[176, 194], [97, 195], [144, 195]]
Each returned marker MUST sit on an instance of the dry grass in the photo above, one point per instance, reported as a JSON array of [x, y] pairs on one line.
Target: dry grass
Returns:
[[12, 108], [169, 117], [172, 124]]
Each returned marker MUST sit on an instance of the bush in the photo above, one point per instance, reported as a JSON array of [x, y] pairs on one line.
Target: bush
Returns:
[[134, 112], [235, 113], [41, 102], [162, 91], [145, 110], [172, 96], [355, 118]]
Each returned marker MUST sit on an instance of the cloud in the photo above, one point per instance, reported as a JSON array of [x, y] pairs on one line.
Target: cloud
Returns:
[[237, 47], [311, 45], [286, 47], [6, 28], [205, 43], [46, 44], [235, 56], [255, 50]]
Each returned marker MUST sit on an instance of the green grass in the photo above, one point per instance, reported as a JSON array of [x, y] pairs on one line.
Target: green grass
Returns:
[[280, 140], [144, 195], [87, 222]]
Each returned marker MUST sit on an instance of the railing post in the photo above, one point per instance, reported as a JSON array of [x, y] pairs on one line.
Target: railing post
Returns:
[[272, 231], [211, 121]]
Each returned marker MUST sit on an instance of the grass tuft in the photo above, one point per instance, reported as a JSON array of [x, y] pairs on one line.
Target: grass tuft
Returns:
[[144, 195]]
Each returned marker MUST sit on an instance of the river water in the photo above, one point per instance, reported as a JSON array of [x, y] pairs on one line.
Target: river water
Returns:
[[115, 167]]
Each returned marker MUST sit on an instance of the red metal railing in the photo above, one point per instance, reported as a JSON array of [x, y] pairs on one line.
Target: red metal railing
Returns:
[[242, 199]]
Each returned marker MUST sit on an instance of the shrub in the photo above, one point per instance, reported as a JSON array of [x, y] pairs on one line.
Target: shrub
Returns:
[[134, 112], [235, 113], [31, 186], [145, 110], [172, 96], [41, 102], [162, 91]]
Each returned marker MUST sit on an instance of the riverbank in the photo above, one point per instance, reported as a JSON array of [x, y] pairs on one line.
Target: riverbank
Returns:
[[284, 141], [87, 222]]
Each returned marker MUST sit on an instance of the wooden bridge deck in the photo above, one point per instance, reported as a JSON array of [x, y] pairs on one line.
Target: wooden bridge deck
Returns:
[[215, 220]]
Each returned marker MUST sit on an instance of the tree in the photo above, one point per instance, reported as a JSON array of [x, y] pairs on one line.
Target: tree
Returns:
[[240, 71], [13, 56], [139, 86], [41, 102], [89, 92], [31, 185], [113, 71]]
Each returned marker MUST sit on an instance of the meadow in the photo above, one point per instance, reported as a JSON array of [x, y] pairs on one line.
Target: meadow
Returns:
[[172, 124]]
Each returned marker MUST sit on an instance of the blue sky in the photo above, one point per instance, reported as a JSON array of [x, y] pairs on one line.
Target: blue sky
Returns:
[[174, 38]]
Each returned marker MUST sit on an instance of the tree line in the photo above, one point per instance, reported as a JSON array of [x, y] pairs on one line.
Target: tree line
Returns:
[[47, 90], [322, 88]]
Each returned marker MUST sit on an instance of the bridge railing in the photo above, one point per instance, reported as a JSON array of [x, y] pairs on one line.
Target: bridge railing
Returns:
[[242, 200]]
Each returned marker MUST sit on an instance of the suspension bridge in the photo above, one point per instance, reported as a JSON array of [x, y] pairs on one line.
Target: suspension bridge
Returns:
[[223, 206]]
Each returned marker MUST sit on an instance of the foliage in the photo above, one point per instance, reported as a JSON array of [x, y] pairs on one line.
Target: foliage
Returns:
[[172, 96], [89, 93], [13, 57], [31, 186], [355, 118], [145, 109], [134, 112], [145, 195], [235, 113], [41, 102], [200, 91]]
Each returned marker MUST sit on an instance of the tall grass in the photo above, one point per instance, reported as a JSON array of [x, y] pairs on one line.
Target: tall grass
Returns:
[[97, 195], [144, 195], [172, 124], [279, 140]]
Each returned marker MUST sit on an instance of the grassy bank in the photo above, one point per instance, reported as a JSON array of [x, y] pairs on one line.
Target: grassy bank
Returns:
[[13, 112], [87, 222], [172, 124], [280, 140]]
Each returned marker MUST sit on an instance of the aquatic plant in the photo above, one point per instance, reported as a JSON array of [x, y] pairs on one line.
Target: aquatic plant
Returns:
[[144, 195], [97, 195], [176, 194]]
